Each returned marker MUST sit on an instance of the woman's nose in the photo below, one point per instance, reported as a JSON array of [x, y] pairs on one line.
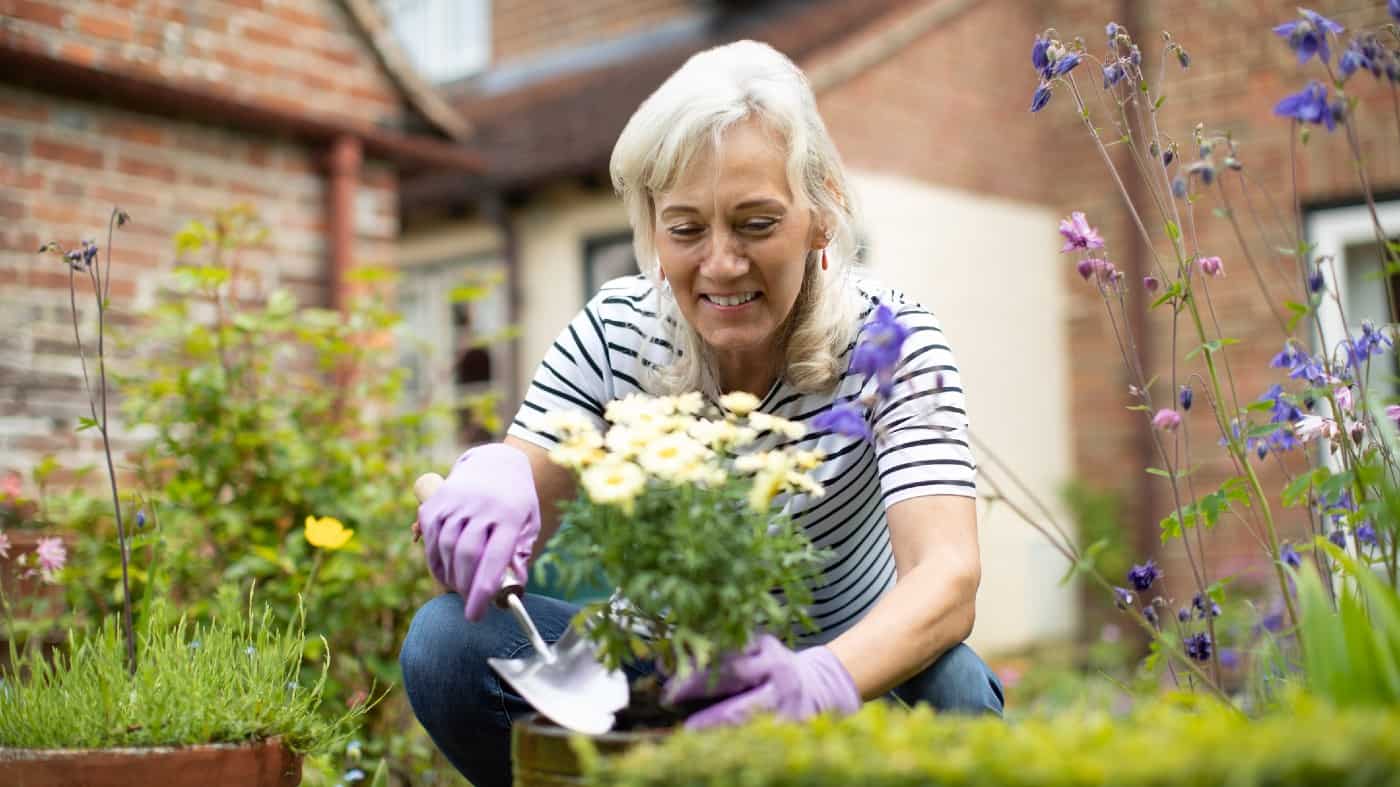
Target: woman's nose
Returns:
[[726, 258]]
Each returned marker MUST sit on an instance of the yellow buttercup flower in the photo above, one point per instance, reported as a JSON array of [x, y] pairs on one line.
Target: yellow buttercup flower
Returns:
[[327, 533]]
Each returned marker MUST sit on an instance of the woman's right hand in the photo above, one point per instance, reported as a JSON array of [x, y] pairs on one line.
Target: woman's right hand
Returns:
[[482, 520]]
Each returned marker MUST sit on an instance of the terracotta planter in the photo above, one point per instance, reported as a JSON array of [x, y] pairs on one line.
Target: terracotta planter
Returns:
[[543, 758], [262, 764]]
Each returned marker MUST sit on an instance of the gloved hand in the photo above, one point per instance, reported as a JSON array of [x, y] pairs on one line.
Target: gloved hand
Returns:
[[484, 518], [767, 677]]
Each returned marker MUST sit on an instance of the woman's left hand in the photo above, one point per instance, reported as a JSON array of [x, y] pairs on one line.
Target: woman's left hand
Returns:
[[767, 677]]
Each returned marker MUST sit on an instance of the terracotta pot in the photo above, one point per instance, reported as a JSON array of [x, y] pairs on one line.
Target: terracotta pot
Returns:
[[262, 764], [543, 758]]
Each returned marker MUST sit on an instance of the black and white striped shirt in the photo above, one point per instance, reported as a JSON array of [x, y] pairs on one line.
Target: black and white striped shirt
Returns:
[[921, 446]]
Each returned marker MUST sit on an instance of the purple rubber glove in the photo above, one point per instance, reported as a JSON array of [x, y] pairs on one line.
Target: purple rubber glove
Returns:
[[769, 678], [483, 519]]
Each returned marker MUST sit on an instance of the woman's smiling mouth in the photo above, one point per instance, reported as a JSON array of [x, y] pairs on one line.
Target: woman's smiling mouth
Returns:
[[732, 301]]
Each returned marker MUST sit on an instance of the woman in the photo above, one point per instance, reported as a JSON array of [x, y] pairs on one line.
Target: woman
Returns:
[[742, 220]]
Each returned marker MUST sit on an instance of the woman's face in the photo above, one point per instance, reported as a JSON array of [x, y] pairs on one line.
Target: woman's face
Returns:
[[733, 241]]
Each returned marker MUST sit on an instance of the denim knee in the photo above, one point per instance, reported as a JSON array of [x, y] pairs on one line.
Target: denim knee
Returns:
[[958, 682], [445, 674]]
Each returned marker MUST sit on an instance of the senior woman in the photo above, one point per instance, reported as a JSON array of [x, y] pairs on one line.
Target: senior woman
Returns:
[[742, 219]]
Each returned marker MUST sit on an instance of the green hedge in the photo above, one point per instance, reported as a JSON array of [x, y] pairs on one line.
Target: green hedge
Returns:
[[1171, 742]]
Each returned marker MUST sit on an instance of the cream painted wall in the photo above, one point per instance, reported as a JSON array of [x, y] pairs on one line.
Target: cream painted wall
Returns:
[[550, 235], [989, 269]]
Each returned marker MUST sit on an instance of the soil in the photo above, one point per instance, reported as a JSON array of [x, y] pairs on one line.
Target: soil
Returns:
[[646, 711]]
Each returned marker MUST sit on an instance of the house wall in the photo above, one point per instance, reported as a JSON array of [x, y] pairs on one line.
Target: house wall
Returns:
[[522, 29], [64, 164]]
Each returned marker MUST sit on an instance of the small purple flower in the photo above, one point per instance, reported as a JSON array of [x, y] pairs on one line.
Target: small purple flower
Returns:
[[1338, 536], [1212, 266], [1290, 556], [1166, 420], [877, 355], [1122, 597], [1316, 281], [140, 519], [1150, 613], [1040, 54], [1198, 646], [1272, 621], [1198, 602], [1168, 157], [1112, 29], [1183, 614], [1149, 283], [1078, 234], [1179, 189], [1040, 97], [1394, 7], [89, 252], [1366, 534], [1308, 36], [1229, 658], [1352, 60], [1308, 105], [1112, 75], [844, 419], [1066, 63], [1142, 577], [1184, 396]]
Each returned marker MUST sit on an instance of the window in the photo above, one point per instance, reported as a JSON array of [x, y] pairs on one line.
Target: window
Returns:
[[446, 39], [454, 344], [1347, 236], [607, 257]]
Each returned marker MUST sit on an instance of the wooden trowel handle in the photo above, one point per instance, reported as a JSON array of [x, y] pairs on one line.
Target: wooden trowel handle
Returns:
[[425, 487]]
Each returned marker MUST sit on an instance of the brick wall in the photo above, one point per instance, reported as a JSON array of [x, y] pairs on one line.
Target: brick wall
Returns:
[[303, 55], [521, 29], [64, 164]]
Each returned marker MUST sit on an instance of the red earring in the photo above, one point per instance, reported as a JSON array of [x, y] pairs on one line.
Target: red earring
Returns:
[[823, 259]]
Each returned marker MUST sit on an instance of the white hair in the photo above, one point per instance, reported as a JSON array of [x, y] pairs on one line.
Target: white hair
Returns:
[[711, 92]]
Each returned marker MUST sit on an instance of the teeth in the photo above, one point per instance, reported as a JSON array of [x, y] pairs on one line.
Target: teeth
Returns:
[[732, 300]]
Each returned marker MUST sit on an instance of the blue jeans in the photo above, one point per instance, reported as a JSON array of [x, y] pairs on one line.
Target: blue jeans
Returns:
[[468, 711]]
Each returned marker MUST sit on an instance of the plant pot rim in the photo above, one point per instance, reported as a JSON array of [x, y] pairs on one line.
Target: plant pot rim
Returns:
[[22, 753]]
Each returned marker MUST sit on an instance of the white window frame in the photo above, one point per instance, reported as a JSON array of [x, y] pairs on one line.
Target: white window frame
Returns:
[[447, 40], [1332, 230]]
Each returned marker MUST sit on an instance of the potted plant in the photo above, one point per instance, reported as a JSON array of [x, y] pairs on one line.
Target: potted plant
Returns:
[[676, 510], [216, 702]]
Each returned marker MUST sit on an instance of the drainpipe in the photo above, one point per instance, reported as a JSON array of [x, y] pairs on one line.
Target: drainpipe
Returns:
[[498, 212], [343, 161]]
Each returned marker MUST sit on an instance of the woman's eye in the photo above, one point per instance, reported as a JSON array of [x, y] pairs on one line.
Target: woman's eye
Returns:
[[758, 225], [685, 231]]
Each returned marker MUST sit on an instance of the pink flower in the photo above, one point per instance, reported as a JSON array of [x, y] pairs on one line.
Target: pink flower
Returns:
[[1311, 427], [1343, 394], [1078, 234], [1167, 420], [1150, 283], [52, 555], [1393, 413], [1212, 266], [4, 546], [12, 485]]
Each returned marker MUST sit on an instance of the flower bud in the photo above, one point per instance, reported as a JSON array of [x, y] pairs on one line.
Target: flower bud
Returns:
[[1185, 396]]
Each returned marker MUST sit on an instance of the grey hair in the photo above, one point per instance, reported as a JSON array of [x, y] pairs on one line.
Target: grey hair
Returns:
[[711, 92]]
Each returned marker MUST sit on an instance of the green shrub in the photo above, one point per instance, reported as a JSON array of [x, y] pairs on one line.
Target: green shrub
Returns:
[[1174, 741]]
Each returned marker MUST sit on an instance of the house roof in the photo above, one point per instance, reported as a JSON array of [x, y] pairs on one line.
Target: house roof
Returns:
[[566, 124]]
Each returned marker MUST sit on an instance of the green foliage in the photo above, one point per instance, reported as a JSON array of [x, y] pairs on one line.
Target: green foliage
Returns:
[[1351, 653], [1174, 741], [696, 565], [260, 413], [235, 678]]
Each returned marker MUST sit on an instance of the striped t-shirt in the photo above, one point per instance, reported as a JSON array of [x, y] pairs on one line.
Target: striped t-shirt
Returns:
[[921, 446]]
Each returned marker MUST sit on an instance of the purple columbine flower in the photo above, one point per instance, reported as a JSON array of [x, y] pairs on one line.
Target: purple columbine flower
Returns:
[[1229, 658], [1040, 55], [1338, 536], [1308, 105], [1122, 597], [1112, 29], [1183, 614], [1308, 36], [877, 355], [1198, 646], [1166, 420], [89, 252], [1184, 396], [1179, 188], [1142, 577], [1290, 556], [1353, 59], [1150, 613], [1149, 283], [1212, 266], [1198, 602], [1366, 534], [1078, 234], [1040, 97], [1394, 7], [1066, 63], [844, 419], [140, 519], [1316, 281], [1112, 75]]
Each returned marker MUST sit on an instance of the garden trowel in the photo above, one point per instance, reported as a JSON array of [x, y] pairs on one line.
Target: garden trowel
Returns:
[[566, 683]]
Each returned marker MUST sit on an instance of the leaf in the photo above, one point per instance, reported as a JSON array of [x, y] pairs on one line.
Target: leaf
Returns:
[[1086, 562], [1173, 231], [1159, 471], [85, 423]]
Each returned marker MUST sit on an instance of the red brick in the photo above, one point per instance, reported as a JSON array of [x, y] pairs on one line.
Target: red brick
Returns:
[[44, 13], [134, 131], [11, 210], [123, 198], [66, 152], [112, 28], [279, 38], [144, 168], [82, 54], [31, 112], [67, 188]]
